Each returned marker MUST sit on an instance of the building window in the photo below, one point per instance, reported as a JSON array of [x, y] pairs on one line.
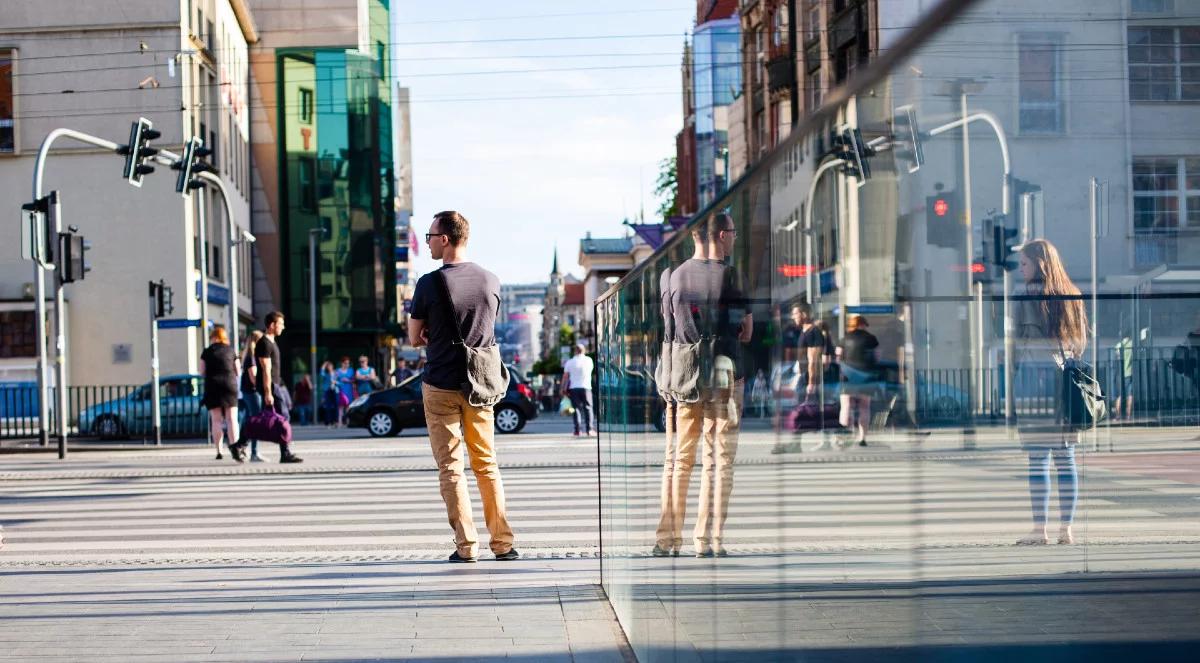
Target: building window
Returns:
[[779, 32], [8, 138], [1166, 194], [306, 105], [1040, 98], [307, 179], [813, 31], [1164, 64], [1152, 6]]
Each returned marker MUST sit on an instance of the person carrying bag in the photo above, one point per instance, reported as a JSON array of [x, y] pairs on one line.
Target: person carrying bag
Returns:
[[454, 314]]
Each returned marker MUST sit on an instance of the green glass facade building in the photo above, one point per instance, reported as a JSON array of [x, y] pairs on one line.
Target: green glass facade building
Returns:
[[336, 175]]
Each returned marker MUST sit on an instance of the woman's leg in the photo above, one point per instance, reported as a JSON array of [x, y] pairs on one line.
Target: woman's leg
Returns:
[[1068, 490], [215, 430], [1039, 493], [845, 415], [862, 417], [231, 423]]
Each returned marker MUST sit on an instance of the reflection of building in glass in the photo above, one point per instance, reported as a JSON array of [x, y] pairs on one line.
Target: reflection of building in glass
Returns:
[[333, 126], [992, 134], [717, 81]]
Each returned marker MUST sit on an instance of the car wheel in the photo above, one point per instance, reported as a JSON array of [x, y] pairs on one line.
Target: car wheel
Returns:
[[381, 423], [108, 427], [509, 420]]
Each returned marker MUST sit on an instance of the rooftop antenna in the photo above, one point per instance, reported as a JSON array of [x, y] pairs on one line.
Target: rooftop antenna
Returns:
[[641, 196]]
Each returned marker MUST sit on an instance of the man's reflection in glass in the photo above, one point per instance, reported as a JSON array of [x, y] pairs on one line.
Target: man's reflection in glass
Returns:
[[701, 376]]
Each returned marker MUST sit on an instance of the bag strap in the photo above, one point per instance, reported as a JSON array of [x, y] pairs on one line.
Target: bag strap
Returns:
[[453, 320]]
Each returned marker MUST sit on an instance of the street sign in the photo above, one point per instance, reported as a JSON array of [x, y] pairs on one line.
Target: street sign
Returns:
[[872, 309], [177, 323]]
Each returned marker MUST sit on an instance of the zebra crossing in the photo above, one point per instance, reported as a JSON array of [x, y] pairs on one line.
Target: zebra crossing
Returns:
[[140, 515]]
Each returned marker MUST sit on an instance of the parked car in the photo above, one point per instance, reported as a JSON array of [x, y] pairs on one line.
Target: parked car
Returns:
[[181, 410], [389, 411]]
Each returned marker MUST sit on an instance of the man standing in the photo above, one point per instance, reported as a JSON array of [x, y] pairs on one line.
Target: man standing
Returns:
[[402, 372], [270, 385], [467, 318], [577, 380], [707, 320]]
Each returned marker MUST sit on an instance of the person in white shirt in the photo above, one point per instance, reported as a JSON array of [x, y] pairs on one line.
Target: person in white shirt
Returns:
[[577, 381]]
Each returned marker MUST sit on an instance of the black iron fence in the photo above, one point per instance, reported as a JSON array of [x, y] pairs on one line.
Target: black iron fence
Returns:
[[92, 411]]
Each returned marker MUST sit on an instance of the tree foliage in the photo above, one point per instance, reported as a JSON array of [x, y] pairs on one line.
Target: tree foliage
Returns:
[[666, 188]]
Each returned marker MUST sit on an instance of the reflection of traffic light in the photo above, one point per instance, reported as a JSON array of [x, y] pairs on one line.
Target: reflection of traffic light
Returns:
[[856, 152], [138, 150], [1004, 244], [943, 220], [906, 139]]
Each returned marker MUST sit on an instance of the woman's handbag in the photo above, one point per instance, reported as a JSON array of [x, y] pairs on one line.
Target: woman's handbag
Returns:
[[1082, 401], [487, 376]]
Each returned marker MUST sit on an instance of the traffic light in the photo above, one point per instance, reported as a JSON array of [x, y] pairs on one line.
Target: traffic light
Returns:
[[138, 150], [73, 253], [944, 220], [191, 165], [162, 299], [41, 245]]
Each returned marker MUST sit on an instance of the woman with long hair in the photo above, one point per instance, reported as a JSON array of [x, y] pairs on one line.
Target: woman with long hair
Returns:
[[250, 395], [1050, 326], [218, 365]]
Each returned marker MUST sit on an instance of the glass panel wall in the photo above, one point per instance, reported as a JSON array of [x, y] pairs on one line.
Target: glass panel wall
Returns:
[[914, 386]]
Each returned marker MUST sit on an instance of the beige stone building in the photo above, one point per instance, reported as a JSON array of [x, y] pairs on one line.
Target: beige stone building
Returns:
[[183, 65]]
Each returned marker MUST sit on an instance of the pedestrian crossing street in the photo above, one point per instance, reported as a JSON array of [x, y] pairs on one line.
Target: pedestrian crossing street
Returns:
[[778, 505]]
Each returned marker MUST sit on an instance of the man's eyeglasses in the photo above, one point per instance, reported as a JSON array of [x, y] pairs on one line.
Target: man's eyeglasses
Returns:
[[429, 236]]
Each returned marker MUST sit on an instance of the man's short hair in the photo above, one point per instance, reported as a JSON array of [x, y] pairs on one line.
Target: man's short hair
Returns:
[[708, 229], [454, 225], [272, 317], [580, 348]]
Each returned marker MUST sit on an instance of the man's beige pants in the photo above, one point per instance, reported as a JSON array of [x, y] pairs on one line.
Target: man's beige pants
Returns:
[[452, 421], [715, 419]]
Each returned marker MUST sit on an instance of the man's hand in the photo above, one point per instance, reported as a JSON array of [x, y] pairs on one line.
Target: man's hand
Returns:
[[269, 399]]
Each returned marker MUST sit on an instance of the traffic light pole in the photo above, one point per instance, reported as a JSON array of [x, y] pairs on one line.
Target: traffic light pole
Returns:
[[233, 256], [155, 403], [39, 280]]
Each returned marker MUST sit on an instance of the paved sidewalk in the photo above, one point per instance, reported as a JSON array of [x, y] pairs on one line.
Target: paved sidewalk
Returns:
[[528, 610]]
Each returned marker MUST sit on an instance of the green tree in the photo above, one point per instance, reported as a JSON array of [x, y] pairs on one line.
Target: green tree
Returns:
[[666, 188], [566, 335]]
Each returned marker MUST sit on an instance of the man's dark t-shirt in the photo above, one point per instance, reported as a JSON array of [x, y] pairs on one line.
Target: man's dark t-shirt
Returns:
[[265, 348], [476, 295], [703, 299]]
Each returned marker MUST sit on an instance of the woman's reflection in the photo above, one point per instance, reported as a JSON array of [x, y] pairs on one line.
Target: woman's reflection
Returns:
[[701, 376], [1050, 327]]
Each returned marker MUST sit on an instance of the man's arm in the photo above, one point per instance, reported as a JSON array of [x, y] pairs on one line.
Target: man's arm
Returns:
[[814, 366], [416, 333], [746, 333], [264, 365]]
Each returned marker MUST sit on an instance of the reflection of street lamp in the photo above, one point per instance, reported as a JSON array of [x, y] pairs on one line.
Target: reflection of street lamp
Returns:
[[244, 239], [313, 234]]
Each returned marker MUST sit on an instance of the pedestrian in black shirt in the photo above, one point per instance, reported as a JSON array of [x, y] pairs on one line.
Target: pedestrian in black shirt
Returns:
[[218, 365], [270, 384], [701, 374], [454, 313]]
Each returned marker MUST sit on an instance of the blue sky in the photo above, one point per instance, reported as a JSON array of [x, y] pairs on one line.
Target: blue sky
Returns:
[[569, 144]]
